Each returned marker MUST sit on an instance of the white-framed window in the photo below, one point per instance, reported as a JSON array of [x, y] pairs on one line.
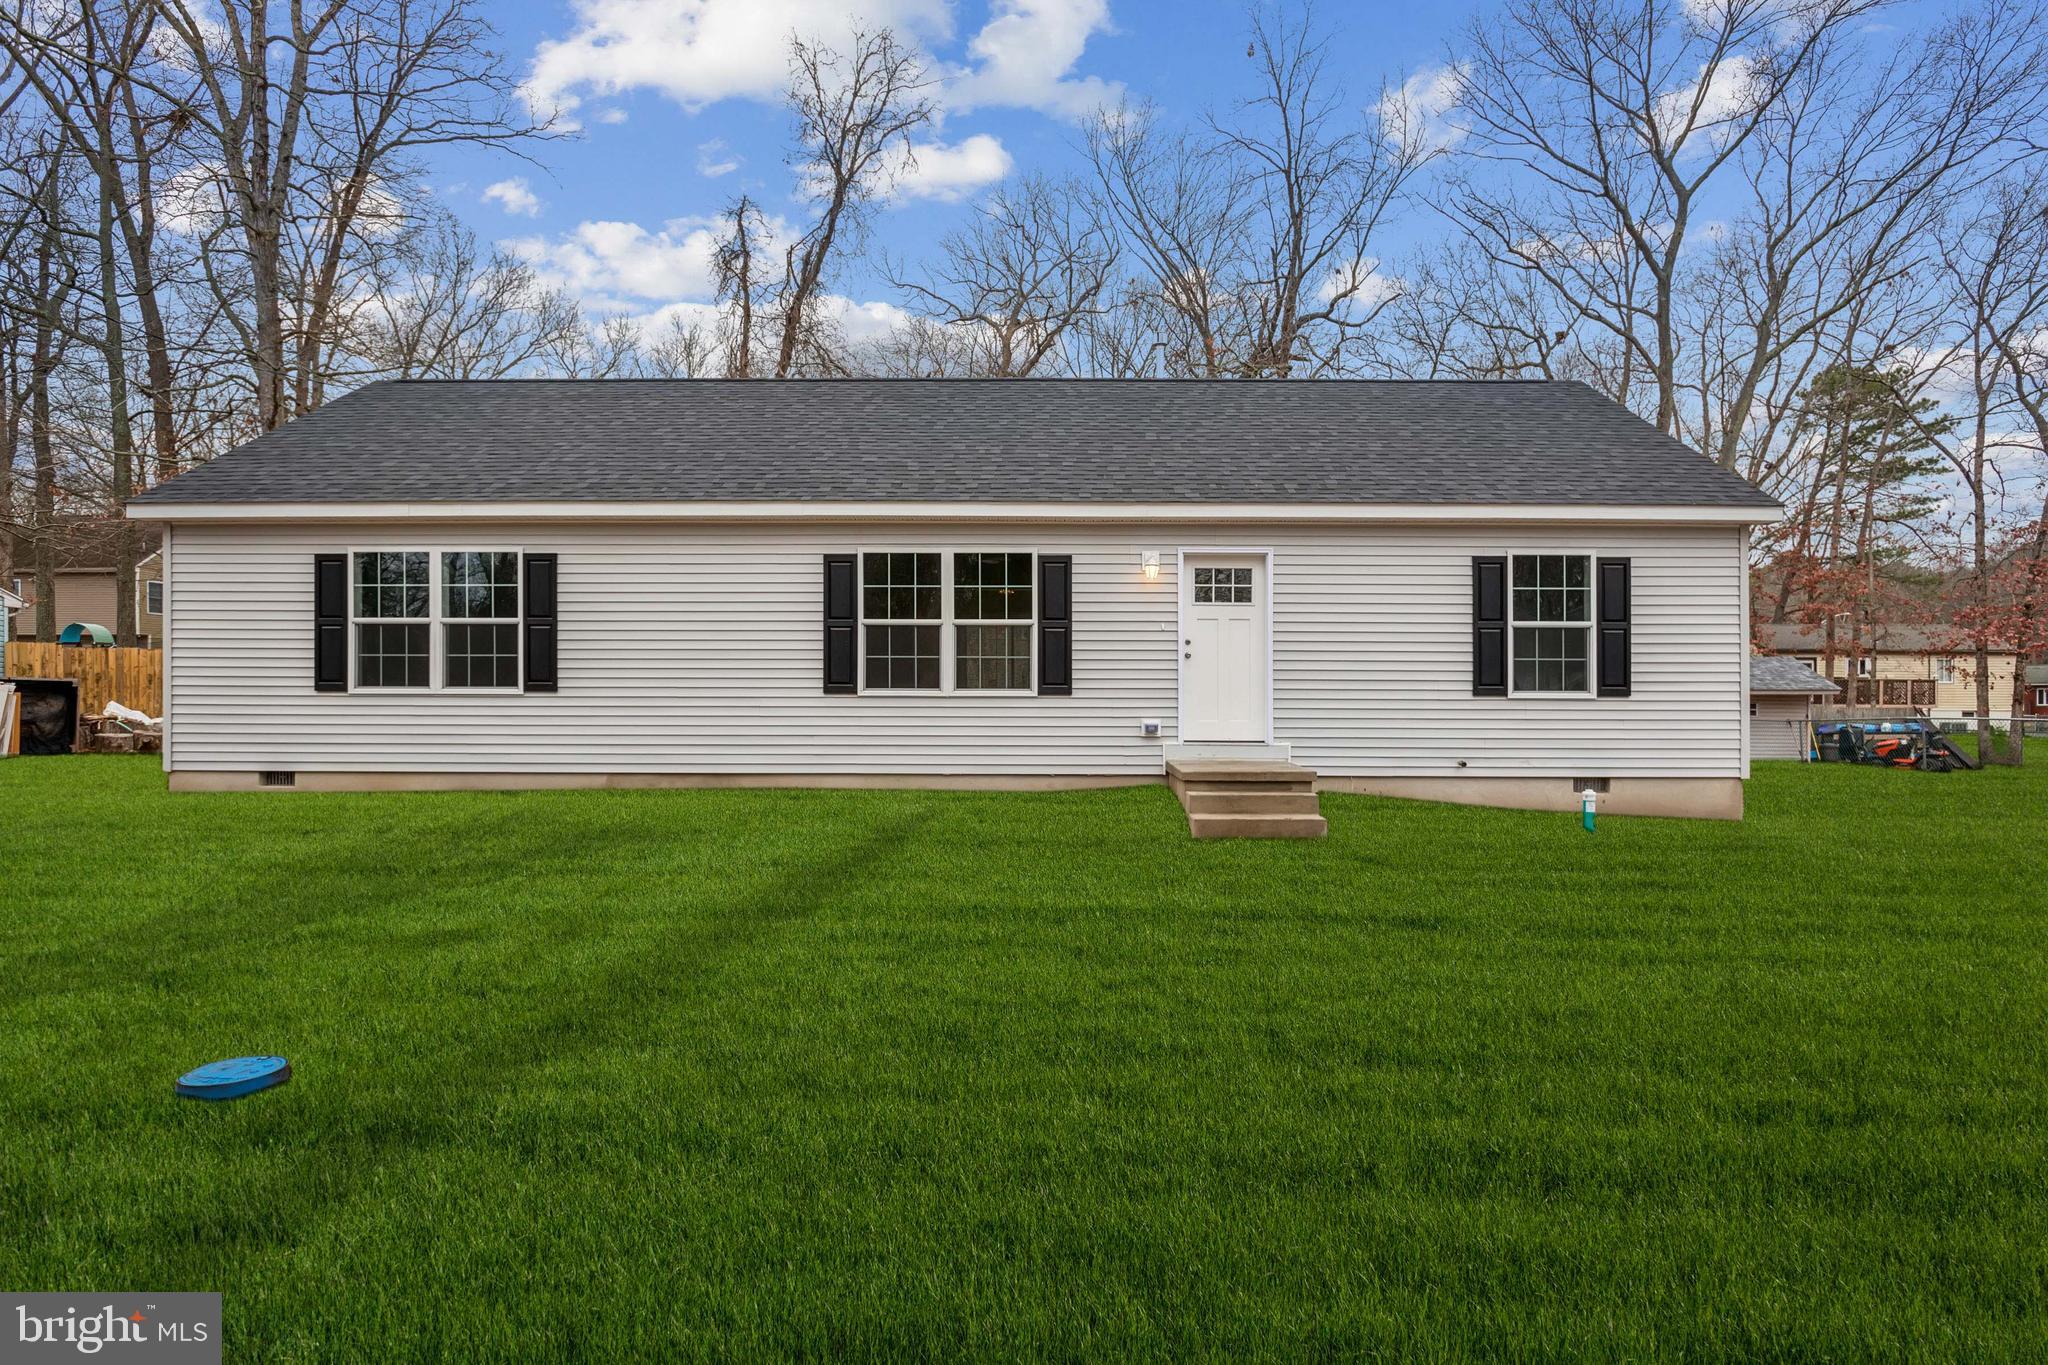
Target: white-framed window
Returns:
[[2041, 698], [993, 614], [902, 619], [434, 619], [1550, 624], [1944, 670], [947, 620], [480, 618], [1223, 585], [153, 597], [1865, 666], [1812, 661]]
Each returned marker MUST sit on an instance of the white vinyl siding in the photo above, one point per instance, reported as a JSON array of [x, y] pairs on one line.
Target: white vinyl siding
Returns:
[[1778, 729], [696, 649]]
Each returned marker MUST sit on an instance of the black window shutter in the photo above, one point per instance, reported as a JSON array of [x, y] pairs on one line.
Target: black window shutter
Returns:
[[542, 665], [1490, 626], [1055, 625], [1615, 629], [330, 623], [842, 617]]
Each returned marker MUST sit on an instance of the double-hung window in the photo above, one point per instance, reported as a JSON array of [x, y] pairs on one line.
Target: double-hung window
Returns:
[[992, 616], [393, 605], [947, 621], [1550, 605], [423, 619], [902, 607], [480, 607]]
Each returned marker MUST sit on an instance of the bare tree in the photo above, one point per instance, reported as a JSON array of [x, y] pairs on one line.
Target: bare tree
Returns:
[[1176, 202], [309, 123], [737, 269], [1322, 181], [1851, 168], [1996, 265], [1032, 262], [1613, 119], [450, 311], [855, 114]]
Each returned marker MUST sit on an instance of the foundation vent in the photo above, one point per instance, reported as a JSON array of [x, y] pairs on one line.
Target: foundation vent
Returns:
[[277, 779]]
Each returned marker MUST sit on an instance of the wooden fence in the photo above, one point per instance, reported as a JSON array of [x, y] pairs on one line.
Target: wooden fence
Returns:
[[133, 677]]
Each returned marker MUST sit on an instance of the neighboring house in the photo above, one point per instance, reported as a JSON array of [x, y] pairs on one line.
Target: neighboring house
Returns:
[[9, 604], [1914, 666], [1781, 696], [2037, 690], [88, 593], [1480, 591]]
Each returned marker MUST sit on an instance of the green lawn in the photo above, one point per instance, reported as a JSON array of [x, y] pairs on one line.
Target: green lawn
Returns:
[[882, 1074]]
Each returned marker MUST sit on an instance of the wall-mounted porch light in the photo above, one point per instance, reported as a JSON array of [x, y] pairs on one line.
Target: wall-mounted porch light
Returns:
[[1148, 563]]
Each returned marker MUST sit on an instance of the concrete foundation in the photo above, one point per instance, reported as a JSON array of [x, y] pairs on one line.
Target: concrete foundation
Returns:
[[1689, 798], [186, 780], [1698, 798]]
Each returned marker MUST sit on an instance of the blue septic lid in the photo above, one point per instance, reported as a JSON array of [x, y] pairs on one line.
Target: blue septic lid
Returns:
[[234, 1078]]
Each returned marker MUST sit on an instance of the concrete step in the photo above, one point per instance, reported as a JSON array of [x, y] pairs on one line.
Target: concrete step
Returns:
[[1184, 789], [1257, 826], [1237, 801], [1205, 771]]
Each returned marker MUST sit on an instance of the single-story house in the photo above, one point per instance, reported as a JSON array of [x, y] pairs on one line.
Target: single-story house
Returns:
[[1472, 591], [2037, 689], [87, 592], [1907, 665], [1781, 696]]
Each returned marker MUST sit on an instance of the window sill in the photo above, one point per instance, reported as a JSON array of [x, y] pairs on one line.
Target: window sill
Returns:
[[940, 692], [436, 692]]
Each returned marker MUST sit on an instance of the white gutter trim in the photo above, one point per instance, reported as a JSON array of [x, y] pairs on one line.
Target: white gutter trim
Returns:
[[951, 511]]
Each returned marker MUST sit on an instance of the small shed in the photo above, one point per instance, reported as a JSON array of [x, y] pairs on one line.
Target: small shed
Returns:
[[1781, 695]]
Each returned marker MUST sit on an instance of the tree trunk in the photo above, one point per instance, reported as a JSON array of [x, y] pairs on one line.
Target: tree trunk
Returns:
[[113, 345], [42, 361]]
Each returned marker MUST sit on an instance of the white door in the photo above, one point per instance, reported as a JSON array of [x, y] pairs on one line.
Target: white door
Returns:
[[1223, 648]]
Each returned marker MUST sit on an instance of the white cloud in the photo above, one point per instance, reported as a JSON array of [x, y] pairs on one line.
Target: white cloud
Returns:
[[860, 322], [654, 278], [193, 200], [1419, 111], [612, 115], [1369, 287], [514, 196], [713, 160], [700, 51], [952, 173], [1024, 55], [697, 52], [619, 267], [1728, 94]]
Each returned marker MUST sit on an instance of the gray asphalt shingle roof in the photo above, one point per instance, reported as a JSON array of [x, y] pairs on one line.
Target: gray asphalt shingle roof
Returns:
[[1790, 637], [1774, 674], [1157, 441]]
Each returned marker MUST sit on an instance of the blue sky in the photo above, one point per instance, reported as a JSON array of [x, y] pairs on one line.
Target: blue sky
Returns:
[[677, 110]]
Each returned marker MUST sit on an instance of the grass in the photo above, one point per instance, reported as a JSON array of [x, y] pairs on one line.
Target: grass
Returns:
[[601, 1074]]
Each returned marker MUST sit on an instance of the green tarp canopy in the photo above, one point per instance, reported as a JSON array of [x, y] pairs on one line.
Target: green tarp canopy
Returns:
[[85, 633]]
